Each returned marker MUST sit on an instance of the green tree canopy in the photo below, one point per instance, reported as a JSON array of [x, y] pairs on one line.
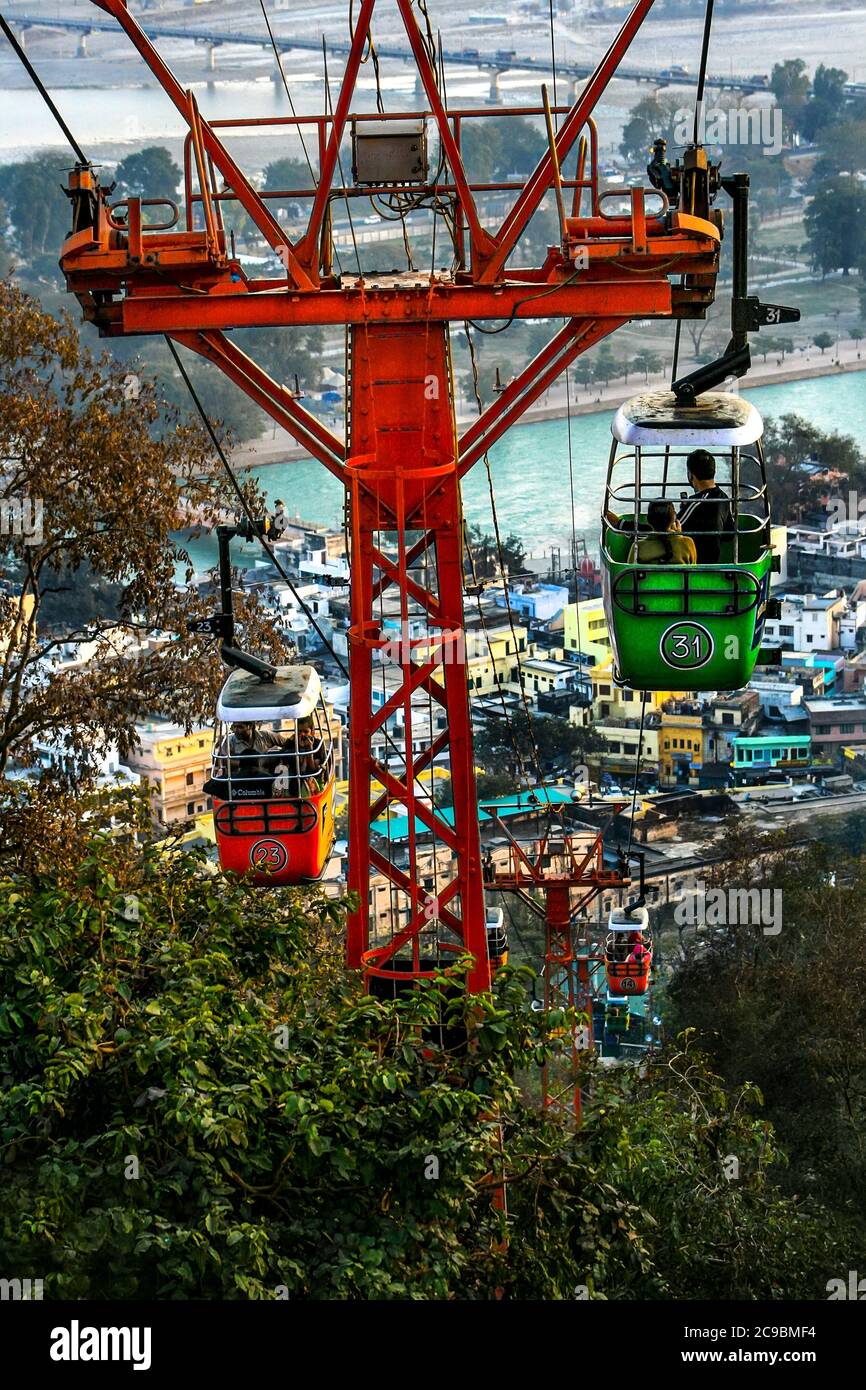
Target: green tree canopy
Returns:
[[199, 1102], [785, 1007], [789, 82], [792, 442], [286, 173], [148, 173], [651, 118], [836, 224], [827, 102], [556, 740], [843, 152], [500, 146], [97, 469], [39, 211]]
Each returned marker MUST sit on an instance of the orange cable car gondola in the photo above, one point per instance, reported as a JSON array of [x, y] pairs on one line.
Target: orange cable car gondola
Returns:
[[628, 951], [272, 779]]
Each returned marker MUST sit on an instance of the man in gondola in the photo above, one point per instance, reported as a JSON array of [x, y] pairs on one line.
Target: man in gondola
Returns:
[[706, 516], [251, 751]]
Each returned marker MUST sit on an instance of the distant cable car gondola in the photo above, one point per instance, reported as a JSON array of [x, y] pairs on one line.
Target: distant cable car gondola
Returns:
[[497, 937], [628, 953], [272, 779], [686, 585], [272, 776]]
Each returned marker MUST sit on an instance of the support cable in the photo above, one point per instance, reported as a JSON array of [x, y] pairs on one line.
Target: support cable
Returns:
[[699, 103], [699, 107], [346, 199], [702, 71], [307, 611], [247, 510], [279, 62], [636, 772], [553, 57], [500, 555]]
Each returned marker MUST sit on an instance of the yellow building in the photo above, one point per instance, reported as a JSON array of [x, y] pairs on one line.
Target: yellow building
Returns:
[[175, 766], [13, 632], [680, 745], [610, 701], [622, 737], [585, 629], [494, 666]]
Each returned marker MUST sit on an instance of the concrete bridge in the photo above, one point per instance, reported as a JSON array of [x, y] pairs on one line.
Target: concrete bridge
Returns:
[[495, 63]]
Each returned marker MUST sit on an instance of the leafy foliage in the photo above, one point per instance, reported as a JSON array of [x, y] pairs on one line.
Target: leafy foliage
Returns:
[[835, 225], [556, 740], [650, 119], [105, 469], [485, 552], [148, 173], [198, 1102], [792, 442], [500, 147], [789, 83], [786, 1010], [827, 102], [32, 194]]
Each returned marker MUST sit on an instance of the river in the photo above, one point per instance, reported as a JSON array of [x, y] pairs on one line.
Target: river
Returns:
[[530, 471], [109, 101]]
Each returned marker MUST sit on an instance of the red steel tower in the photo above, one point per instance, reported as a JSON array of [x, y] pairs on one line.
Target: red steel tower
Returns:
[[402, 458]]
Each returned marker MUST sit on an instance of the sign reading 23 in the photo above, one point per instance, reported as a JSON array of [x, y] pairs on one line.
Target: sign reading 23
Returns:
[[268, 856]]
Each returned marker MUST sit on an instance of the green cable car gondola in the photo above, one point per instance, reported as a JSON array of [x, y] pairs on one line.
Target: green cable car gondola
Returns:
[[686, 555]]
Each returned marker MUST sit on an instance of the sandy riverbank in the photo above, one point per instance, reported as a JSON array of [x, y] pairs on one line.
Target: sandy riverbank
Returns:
[[280, 448]]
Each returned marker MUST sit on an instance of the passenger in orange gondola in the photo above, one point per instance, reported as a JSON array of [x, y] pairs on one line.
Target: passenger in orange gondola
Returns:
[[273, 777], [305, 759], [247, 742], [638, 954]]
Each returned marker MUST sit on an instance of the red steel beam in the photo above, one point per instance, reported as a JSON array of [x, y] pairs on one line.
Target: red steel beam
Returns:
[[481, 242], [528, 385], [307, 249], [231, 172], [169, 312], [403, 471], [273, 398]]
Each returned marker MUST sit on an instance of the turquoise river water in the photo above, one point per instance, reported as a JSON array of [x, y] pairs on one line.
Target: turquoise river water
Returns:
[[530, 467]]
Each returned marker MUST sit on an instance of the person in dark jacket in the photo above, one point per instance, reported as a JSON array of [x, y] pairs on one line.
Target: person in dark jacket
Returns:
[[708, 512]]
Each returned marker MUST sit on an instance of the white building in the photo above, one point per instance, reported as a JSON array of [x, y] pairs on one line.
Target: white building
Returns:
[[808, 622]]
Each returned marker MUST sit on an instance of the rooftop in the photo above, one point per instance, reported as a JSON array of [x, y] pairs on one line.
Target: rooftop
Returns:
[[838, 703]]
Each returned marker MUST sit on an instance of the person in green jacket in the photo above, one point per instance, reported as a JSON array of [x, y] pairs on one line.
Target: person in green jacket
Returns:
[[665, 544]]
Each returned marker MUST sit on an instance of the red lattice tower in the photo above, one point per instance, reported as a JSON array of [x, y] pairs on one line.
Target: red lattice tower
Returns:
[[402, 460]]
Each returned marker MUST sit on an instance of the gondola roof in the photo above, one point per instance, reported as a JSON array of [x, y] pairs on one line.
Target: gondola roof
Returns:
[[292, 695], [717, 419]]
